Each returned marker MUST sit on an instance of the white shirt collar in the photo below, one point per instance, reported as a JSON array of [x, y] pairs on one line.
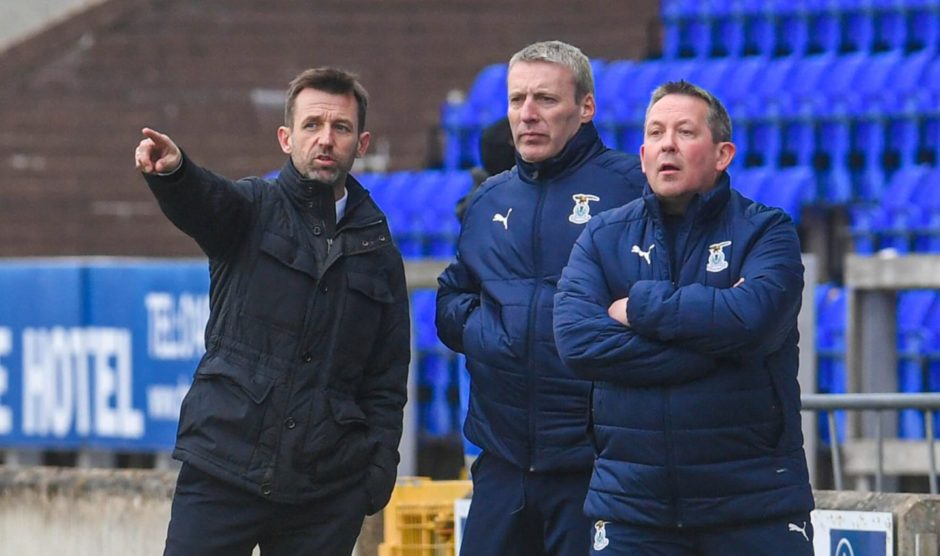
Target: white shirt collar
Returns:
[[341, 205]]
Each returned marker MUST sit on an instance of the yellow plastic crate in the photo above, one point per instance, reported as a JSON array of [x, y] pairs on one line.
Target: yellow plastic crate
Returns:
[[419, 518]]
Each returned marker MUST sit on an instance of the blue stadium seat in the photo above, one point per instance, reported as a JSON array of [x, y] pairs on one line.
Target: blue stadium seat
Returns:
[[927, 201], [439, 223], [727, 30], [825, 27], [794, 105], [923, 25], [764, 123], [789, 189], [891, 224], [792, 29], [833, 132], [932, 352], [831, 313], [898, 104], [434, 365], [394, 196], [750, 182], [858, 30], [759, 35], [890, 25], [612, 109], [912, 310], [486, 102], [674, 14], [687, 29]]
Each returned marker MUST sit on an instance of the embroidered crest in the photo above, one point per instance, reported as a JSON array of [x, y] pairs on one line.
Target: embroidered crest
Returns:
[[645, 255], [716, 257], [582, 211], [600, 535], [504, 220]]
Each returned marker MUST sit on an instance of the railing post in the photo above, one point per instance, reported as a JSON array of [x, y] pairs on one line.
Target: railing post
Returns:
[[879, 434], [834, 450], [931, 457]]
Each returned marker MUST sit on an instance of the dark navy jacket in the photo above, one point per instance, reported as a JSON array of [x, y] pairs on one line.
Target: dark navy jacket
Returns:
[[495, 301], [301, 391], [696, 407]]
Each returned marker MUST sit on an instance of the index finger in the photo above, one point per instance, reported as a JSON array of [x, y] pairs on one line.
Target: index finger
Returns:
[[157, 137]]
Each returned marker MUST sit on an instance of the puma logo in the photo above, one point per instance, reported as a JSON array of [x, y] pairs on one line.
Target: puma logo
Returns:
[[503, 219], [645, 255], [801, 530]]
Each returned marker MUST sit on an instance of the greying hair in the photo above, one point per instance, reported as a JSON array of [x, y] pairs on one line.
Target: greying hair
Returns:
[[328, 80], [563, 54], [719, 123]]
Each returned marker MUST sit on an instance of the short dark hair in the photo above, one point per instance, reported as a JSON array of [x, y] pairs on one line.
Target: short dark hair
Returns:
[[719, 123], [329, 80]]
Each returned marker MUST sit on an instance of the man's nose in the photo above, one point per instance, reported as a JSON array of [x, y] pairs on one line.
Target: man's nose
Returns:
[[325, 137], [669, 141], [528, 110]]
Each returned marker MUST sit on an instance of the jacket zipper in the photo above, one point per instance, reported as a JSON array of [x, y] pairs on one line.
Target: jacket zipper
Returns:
[[533, 310], [667, 391]]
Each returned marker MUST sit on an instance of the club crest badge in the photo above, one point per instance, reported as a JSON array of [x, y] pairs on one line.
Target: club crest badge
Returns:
[[600, 535], [716, 257], [582, 211]]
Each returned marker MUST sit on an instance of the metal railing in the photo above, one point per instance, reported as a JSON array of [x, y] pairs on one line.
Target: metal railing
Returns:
[[928, 403]]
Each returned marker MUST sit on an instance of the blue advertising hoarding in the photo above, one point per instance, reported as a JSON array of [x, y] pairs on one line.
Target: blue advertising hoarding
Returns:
[[98, 353]]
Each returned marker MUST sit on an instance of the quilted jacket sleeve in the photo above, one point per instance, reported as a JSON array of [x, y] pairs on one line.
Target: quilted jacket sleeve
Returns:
[[599, 348], [207, 207], [753, 318], [458, 294]]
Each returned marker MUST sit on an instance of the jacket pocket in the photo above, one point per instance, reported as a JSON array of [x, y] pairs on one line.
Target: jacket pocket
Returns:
[[223, 414], [283, 277], [366, 303], [789, 436], [339, 445]]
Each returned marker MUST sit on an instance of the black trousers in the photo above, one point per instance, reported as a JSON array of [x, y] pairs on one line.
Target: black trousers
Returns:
[[210, 517]]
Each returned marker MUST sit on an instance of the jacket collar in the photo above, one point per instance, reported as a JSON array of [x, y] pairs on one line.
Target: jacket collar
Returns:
[[584, 145], [318, 198], [702, 206]]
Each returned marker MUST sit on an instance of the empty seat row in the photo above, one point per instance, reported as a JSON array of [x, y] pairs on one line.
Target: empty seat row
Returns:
[[907, 218], [716, 28], [420, 208], [854, 117], [918, 351]]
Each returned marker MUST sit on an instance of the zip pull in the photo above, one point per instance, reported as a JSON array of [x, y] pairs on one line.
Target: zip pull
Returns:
[[329, 244]]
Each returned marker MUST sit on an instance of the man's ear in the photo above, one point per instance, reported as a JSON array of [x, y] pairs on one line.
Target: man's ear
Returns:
[[726, 150], [283, 139], [363, 145], [588, 108]]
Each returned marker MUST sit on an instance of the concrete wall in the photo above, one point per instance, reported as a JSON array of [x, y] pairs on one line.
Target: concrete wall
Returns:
[[47, 511], [19, 19]]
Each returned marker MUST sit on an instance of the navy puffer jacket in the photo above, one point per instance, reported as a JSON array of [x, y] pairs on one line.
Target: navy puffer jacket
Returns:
[[495, 301], [696, 407]]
